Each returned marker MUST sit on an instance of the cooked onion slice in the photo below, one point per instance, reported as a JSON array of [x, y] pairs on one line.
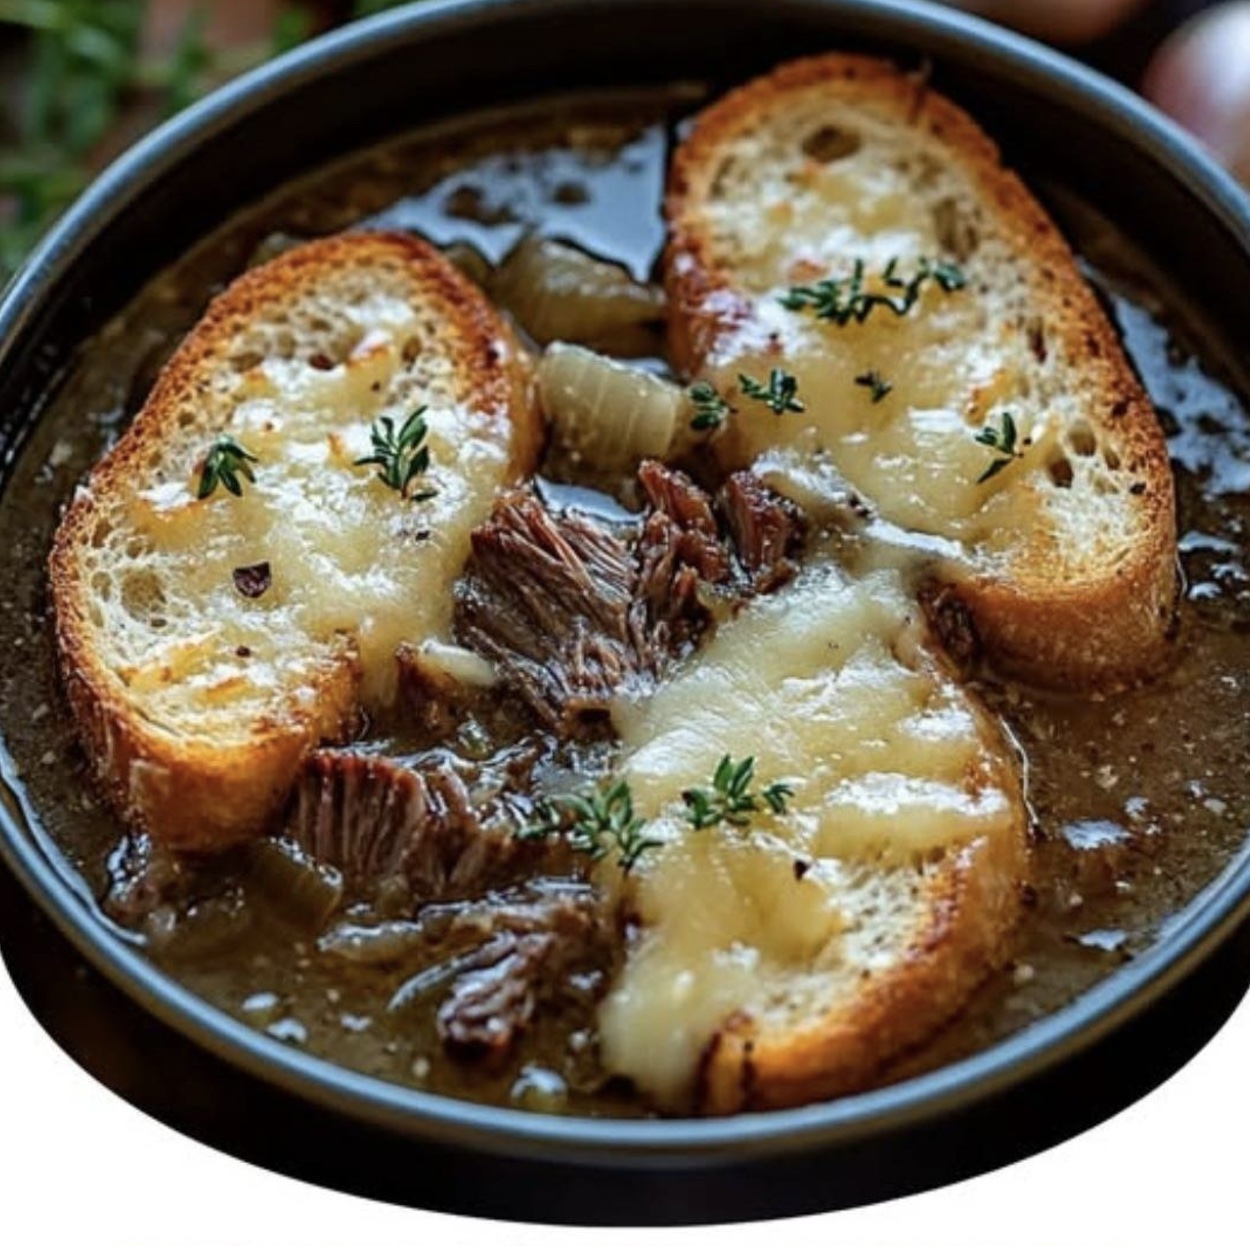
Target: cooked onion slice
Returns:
[[470, 261], [558, 293], [604, 414], [305, 892], [384, 944]]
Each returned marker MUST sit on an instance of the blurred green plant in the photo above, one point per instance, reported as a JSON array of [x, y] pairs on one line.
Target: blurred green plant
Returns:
[[81, 72]]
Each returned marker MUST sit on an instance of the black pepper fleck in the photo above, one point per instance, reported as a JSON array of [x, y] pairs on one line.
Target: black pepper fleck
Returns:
[[253, 581]]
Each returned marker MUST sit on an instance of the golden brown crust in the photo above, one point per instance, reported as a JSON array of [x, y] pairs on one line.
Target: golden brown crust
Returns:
[[196, 797], [1109, 630], [197, 794], [969, 910]]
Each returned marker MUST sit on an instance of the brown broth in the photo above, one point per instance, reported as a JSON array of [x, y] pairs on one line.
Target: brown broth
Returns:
[[1140, 800]]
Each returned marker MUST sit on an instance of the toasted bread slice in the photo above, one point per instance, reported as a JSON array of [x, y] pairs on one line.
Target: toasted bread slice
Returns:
[[1062, 535], [787, 960], [208, 643]]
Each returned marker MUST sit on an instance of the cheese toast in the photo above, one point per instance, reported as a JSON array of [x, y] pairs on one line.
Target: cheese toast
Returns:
[[234, 579], [853, 268], [790, 957]]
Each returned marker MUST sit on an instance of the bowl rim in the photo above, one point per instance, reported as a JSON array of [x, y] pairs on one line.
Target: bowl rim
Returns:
[[1204, 925]]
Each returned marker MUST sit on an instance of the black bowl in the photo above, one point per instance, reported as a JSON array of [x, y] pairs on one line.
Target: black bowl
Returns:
[[1054, 119]]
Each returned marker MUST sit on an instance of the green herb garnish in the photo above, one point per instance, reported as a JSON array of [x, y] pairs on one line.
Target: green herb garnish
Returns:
[[224, 463], [594, 825], [780, 394], [710, 409], [730, 798], [876, 383], [845, 299], [1002, 441], [401, 458]]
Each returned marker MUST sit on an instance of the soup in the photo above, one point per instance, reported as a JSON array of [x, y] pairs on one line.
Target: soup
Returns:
[[1137, 800]]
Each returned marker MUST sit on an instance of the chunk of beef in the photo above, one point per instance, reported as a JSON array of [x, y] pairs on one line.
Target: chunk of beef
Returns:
[[688, 510], [535, 951], [679, 552], [435, 702], [546, 597], [375, 820], [492, 1001], [767, 530], [571, 612]]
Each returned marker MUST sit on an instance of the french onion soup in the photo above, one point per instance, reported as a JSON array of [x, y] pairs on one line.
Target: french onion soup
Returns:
[[613, 614]]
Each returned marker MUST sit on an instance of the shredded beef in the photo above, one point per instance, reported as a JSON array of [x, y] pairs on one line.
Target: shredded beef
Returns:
[[534, 949], [492, 1001], [374, 820], [547, 599], [571, 612], [688, 511], [766, 529], [678, 552]]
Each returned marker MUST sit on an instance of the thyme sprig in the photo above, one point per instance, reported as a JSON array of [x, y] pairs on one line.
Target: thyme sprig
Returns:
[[594, 825], [842, 300], [401, 457], [710, 409], [1003, 441], [730, 798], [780, 394], [873, 381], [224, 463]]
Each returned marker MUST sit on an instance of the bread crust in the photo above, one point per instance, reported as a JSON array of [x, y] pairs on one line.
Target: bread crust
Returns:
[[198, 794], [966, 915], [970, 909], [1106, 630]]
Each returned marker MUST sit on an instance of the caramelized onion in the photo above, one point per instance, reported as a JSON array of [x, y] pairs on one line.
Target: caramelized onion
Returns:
[[455, 664], [421, 986], [216, 925], [605, 414], [558, 293], [301, 890], [470, 261], [374, 945]]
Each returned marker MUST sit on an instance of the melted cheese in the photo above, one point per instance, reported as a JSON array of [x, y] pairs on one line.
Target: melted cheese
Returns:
[[355, 568], [956, 362], [889, 762]]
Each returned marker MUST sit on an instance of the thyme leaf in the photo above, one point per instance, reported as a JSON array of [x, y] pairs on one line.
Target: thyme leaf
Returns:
[[400, 457], [594, 825], [730, 798], [841, 300], [224, 463], [1002, 440], [710, 409], [780, 394], [874, 382]]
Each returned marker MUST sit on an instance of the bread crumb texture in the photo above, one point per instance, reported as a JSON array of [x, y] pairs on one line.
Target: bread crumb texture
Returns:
[[843, 162], [295, 362]]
